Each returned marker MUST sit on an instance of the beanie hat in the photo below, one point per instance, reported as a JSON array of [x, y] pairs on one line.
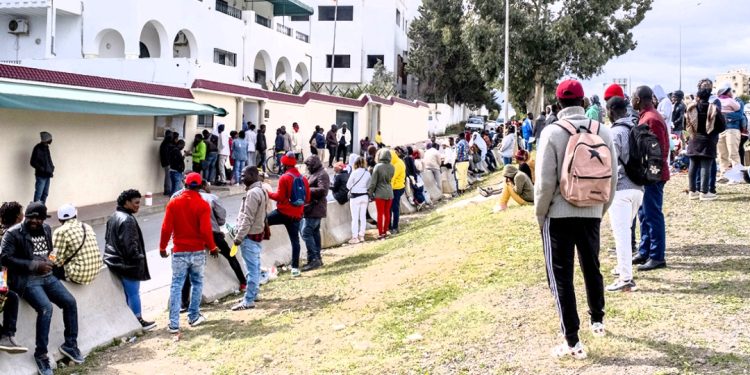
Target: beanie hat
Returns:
[[45, 136], [289, 160], [510, 171], [612, 91]]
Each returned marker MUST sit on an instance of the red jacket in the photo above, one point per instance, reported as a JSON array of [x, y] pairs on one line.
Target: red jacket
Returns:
[[655, 121], [188, 222], [284, 192]]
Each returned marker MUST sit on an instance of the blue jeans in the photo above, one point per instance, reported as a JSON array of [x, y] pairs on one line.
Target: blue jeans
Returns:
[[239, 165], [311, 235], [176, 178], [10, 314], [41, 292], [186, 265], [711, 178], [41, 189], [292, 229], [209, 170], [507, 161], [251, 255], [132, 289], [653, 231], [396, 207]]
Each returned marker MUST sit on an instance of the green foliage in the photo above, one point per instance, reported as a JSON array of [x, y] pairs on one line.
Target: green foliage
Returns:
[[550, 39], [745, 98], [382, 79], [440, 59]]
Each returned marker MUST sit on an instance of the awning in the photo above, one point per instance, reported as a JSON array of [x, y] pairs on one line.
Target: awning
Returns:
[[37, 97], [291, 8]]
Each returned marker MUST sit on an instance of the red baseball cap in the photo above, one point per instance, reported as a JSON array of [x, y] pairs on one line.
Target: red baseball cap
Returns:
[[569, 89], [612, 91], [193, 179]]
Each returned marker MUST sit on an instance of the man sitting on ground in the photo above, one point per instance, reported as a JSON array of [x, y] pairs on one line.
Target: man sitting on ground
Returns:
[[517, 186]]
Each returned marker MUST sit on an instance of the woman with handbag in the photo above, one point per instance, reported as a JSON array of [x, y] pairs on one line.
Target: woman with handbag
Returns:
[[358, 184]]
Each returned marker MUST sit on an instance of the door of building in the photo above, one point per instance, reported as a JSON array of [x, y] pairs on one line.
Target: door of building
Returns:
[[348, 118]]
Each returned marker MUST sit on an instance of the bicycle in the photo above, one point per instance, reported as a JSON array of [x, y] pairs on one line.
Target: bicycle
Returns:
[[273, 163]]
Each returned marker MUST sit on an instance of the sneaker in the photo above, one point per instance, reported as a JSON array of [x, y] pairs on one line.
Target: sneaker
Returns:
[[243, 287], [198, 321], [173, 330], [183, 309], [708, 197], [8, 345], [597, 329], [693, 195], [563, 350], [722, 180], [622, 286], [73, 353], [243, 306], [362, 239], [147, 326], [354, 241], [42, 365], [296, 272]]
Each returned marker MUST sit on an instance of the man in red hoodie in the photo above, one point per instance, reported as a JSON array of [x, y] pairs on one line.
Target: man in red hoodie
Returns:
[[653, 231], [288, 210], [187, 222]]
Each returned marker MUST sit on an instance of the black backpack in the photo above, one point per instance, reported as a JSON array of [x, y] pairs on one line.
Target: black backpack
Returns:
[[645, 163]]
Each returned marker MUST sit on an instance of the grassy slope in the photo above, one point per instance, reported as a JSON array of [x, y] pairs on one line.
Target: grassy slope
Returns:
[[472, 285]]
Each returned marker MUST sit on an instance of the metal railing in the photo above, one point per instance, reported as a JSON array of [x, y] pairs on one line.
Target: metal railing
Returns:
[[286, 30], [260, 20], [303, 37], [228, 10]]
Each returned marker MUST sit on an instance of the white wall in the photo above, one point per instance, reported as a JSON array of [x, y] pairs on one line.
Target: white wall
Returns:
[[16, 47]]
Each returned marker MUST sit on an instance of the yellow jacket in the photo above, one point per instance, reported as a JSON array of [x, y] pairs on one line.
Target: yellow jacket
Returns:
[[399, 175]]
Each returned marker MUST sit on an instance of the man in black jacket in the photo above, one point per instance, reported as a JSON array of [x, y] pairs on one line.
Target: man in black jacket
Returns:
[[25, 251], [41, 161], [164, 147], [332, 144], [125, 253], [315, 211], [260, 147]]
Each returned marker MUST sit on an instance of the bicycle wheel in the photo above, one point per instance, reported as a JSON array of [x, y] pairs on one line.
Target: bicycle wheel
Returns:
[[270, 164]]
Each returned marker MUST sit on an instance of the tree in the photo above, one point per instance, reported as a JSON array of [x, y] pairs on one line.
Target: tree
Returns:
[[550, 39], [383, 82], [440, 59]]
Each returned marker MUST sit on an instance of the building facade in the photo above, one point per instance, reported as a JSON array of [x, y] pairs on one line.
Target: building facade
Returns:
[[366, 32], [738, 79]]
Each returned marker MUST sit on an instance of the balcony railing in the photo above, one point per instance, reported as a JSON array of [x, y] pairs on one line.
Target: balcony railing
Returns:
[[284, 29], [260, 20], [303, 37], [228, 10]]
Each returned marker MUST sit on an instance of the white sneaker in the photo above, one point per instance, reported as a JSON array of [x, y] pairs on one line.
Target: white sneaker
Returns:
[[296, 272], [693, 195], [353, 241], [708, 197], [597, 329], [198, 321], [362, 239], [563, 350]]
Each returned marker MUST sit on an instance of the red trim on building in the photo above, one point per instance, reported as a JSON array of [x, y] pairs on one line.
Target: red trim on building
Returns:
[[23, 73]]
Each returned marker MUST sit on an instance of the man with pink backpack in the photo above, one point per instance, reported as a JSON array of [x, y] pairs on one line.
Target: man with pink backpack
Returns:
[[574, 186]]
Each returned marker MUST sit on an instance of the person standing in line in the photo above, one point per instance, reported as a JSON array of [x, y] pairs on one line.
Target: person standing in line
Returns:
[[198, 153], [224, 151], [345, 140], [729, 139], [249, 233], [432, 161], [566, 227], [539, 125], [628, 196], [315, 210], [239, 154], [25, 251], [252, 143], [398, 183], [315, 149], [653, 231], [44, 169], [358, 183], [279, 145], [176, 166], [77, 255], [594, 111], [704, 123], [232, 137], [332, 144], [288, 142], [289, 210], [11, 213], [462, 164], [260, 148], [296, 141], [125, 251], [187, 222], [508, 145], [381, 190], [527, 130], [212, 157], [164, 150], [664, 106], [678, 113]]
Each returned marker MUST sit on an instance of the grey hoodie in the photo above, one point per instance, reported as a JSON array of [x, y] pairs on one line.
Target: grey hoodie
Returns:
[[380, 182]]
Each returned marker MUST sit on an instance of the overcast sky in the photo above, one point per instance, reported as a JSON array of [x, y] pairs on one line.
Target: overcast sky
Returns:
[[715, 39]]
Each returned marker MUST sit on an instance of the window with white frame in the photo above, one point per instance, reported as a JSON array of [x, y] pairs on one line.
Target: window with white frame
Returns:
[[224, 57]]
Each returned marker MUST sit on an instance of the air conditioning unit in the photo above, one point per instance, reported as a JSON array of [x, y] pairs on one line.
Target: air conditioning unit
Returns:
[[18, 26]]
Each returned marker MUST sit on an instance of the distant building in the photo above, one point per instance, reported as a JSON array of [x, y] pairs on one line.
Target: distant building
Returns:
[[738, 79]]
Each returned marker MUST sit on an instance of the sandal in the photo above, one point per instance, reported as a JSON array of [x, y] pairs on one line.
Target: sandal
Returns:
[[563, 350], [598, 329]]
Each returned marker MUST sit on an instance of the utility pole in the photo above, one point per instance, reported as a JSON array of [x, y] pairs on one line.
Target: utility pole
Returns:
[[681, 55], [505, 76], [333, 50]]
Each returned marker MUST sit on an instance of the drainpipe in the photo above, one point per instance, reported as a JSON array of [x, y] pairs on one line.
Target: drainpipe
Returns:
[[83, 55], [51, 26]]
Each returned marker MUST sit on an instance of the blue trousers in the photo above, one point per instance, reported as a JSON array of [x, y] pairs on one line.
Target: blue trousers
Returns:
[[711, 178], [396, 207], [653, 231], [176, 178], [311, 236], [189, 264], [41, 189], [132, 289], [251, 256], [41, 292]]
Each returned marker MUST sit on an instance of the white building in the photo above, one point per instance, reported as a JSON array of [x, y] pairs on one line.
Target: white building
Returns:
[[366, 31], [166, 41], [738, 79]]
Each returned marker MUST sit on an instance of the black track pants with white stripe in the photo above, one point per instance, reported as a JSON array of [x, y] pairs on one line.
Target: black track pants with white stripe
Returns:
[[559, 239]]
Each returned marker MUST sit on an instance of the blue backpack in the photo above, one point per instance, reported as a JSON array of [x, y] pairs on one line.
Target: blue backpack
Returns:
[[298, 195], [737, 119], [320, 141]]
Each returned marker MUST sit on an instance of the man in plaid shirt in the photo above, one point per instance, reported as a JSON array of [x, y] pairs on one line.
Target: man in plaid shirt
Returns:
[[79, 254]]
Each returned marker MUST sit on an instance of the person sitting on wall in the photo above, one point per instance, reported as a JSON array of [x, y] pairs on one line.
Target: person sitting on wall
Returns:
[[10, 215], [78, 258], [341, 177]]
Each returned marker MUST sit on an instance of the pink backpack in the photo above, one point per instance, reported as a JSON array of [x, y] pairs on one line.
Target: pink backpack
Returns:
[[586, 177]]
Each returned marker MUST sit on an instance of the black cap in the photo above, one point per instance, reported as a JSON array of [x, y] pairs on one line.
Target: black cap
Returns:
[[36, 210]]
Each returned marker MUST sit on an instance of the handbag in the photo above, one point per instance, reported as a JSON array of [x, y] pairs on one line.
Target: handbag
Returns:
[[59, 271], [353, 195]]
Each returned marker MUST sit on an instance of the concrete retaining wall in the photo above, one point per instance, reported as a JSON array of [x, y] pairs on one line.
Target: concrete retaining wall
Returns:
[[336, 228], [448, 182], [431, 187], [103, 316]]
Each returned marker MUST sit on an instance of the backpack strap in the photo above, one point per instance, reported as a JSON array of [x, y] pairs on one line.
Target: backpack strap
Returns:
[[594, 127], [565, 124]]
